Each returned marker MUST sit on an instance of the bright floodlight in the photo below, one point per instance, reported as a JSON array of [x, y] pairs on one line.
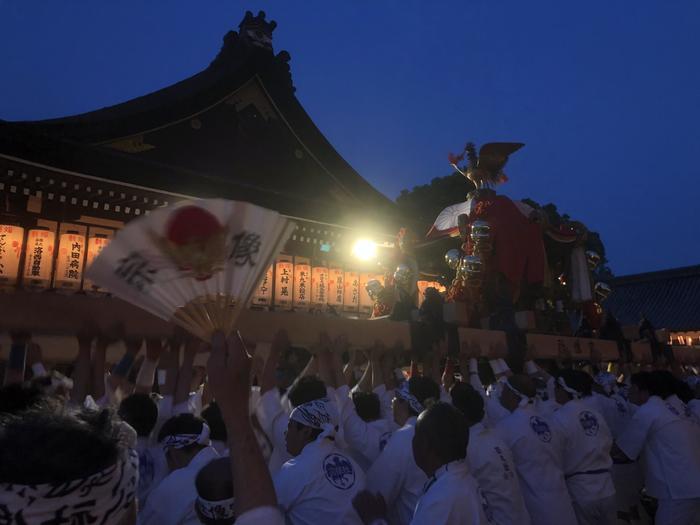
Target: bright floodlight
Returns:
[[364, 250]]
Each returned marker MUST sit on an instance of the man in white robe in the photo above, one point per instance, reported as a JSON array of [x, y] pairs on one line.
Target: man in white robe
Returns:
[[395, 474], [317, 485], [490, 461], [586, 447], [533, 443], [451, 496], [668, 443]]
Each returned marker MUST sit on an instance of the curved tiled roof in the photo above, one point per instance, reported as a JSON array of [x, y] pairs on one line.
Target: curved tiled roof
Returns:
[[670, 299]]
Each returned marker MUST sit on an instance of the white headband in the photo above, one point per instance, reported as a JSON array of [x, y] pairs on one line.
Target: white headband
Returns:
[[404, 393], [216, 510], [102, 498], [319, 413], [185, 440], [575, 393]]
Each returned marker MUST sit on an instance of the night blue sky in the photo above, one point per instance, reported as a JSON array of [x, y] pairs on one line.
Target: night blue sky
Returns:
[[605, 93]]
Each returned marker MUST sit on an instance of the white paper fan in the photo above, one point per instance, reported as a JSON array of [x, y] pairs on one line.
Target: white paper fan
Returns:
[[196, 263]]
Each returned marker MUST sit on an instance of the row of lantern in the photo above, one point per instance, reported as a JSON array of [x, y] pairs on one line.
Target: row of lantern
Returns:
[[293, 282], [51, 259]]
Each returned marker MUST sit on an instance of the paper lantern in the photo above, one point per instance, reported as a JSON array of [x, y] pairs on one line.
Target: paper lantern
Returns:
[[263, 294], [69, 262], [319, 285], [96, 243], [11, 242], [351, 295], [284, 282], [336, 286], [302, 282], [38, 261]]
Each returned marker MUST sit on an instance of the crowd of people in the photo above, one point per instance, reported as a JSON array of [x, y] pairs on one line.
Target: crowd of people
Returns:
[[271, 434]]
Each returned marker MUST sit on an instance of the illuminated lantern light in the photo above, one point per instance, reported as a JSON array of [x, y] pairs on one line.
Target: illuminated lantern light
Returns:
[[364, 249], [336, 286], [351, 297], [11, 242], [319, 285], [263, 294], [284, 282], [38, 261], [302, 282], [69, 262], [96, 243]]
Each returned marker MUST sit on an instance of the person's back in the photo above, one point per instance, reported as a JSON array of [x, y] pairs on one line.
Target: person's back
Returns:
[[317, 486], [453, 497], [492, 464], [396, 476], [490, 460], [586, 460], [186, 444], [538, 465], [668, 443]]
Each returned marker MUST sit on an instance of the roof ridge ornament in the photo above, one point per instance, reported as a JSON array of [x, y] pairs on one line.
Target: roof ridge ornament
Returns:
[[257, 31]]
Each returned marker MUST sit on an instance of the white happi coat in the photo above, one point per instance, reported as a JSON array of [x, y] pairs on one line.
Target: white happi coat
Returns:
[[533, 442], [153, 468], [585, 450], [670, 446], [365, 440], [172, 501], [616, 411], [491, 463], [452, 497], [317, 486], [397, 477], [273, 420]]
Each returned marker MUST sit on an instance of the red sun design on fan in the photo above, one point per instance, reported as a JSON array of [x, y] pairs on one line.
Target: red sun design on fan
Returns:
[[195, 241], [191, 224]]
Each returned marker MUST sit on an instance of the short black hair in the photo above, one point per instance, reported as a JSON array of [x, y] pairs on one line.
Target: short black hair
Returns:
[[662, 383], [308, 388], [468, 401], [425, 390], [445, 431], [367, 405], [523, 384], [578, 380], [56, 445], [212, 415], [141, 412], [214, 482], [18, 397], [642, 381], [181, 424]]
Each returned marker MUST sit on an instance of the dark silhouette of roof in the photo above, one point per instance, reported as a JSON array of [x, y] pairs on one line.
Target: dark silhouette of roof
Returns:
[[234, 130], [669, 298]]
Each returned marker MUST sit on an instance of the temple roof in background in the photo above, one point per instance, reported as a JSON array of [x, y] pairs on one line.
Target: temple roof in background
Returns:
[[669, 298], [234, 130]]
